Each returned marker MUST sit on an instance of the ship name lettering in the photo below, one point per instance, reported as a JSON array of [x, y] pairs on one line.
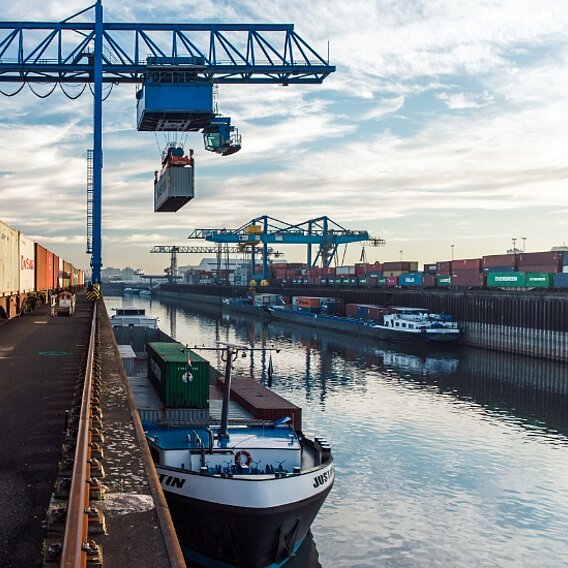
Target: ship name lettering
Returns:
[[322, 479], [171, 481]]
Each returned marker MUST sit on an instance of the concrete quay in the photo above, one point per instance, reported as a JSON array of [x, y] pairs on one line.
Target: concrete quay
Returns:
[[41, 363]]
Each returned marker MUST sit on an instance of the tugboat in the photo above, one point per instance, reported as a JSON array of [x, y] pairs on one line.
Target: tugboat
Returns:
[[242, 494]]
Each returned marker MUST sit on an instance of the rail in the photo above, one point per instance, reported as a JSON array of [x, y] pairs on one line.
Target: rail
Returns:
[[75, 546]]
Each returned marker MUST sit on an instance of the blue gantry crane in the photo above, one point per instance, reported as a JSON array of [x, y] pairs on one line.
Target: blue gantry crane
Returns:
[[322, 232], [176, 67]]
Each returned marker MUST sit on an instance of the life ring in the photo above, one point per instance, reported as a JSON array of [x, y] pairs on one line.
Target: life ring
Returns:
[[246, 455]]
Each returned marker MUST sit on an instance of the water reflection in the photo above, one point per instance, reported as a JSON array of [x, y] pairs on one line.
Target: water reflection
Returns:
[[533, 391], [445, 458]]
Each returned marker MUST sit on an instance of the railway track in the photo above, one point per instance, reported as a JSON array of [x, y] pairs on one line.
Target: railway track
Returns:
[[73, 520]]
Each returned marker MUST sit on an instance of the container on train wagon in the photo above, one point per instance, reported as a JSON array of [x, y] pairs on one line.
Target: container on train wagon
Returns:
[[506, 279], [538, 279], [391, 281], [55, 272], [27, 263], [411, 279], [361, 281], [382, 281], [443, 280], [40, 269], [9, 260], [178, 381]]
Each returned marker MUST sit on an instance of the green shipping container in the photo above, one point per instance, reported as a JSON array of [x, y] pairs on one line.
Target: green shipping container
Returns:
[[382, 281], [538, 279], [506, 279], [443, 280], [168, 373]]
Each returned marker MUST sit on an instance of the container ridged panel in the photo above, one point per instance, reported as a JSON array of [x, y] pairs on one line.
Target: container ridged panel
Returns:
[[174, 189]]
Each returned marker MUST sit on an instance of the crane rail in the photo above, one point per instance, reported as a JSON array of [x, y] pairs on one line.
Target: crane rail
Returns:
[[75, 546]]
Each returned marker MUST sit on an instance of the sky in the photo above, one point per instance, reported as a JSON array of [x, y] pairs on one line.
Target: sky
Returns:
[[446, 123]]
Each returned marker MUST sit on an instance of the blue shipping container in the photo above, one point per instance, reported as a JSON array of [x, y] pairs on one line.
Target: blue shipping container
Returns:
[[561, 280], [411, 279], [362, 312]]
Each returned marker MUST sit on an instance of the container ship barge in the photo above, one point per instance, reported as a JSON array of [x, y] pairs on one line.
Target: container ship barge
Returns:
[[242, 481]]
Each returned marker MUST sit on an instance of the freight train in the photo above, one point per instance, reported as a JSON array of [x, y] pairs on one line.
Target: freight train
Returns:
[[513, 271], [29, 273]]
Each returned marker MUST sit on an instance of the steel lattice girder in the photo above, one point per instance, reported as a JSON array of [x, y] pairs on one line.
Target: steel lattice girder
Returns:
[[219, 53]]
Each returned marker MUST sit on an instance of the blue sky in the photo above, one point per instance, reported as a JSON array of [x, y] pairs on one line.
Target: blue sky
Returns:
[[445, 123]]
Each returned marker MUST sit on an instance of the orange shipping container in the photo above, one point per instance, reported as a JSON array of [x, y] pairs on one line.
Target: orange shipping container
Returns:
[[309, 301]]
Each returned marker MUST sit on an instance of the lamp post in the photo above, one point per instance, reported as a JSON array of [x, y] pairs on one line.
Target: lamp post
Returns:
[[452, 252], [514, 245], [524, 243], [400, 255]]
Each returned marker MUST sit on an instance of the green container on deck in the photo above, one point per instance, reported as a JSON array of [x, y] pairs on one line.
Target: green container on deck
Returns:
[[538, 279], [506, 279], [167, 365], [382, 281], [443, 281]]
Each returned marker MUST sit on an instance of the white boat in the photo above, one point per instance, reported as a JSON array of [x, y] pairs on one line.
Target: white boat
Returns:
[[125, 317]]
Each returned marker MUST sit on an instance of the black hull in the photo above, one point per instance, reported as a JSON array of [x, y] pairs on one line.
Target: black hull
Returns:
[[248, 311], [345, 326], [239, 536]]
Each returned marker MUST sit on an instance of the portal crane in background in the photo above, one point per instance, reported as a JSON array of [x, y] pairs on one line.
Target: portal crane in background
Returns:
[[176, 67], [322, 232], [218, 251]]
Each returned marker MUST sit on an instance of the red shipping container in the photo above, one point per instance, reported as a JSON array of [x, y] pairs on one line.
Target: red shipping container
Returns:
[[469, 278], [55, 272], [360, 268], [500, 260], [466, 264], [372, 281], [540, 268], [392, 281], [443, 267], [351, 310], [541, 258], [376, 313], [428, 280], [40, 269]]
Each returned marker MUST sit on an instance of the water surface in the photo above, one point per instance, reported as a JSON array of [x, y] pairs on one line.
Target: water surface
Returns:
[[456, 458]]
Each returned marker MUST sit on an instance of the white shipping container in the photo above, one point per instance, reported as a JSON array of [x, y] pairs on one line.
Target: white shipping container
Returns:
[[27, 269], [174, 189], [9, 260], [345, 270]]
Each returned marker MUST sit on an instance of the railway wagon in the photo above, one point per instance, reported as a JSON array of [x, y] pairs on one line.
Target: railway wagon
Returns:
[[30, 273]]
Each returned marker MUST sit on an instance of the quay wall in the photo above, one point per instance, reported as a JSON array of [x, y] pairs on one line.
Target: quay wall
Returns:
[[530, 322]]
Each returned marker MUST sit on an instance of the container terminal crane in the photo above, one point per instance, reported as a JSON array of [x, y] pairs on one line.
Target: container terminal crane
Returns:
[[176, 67]]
